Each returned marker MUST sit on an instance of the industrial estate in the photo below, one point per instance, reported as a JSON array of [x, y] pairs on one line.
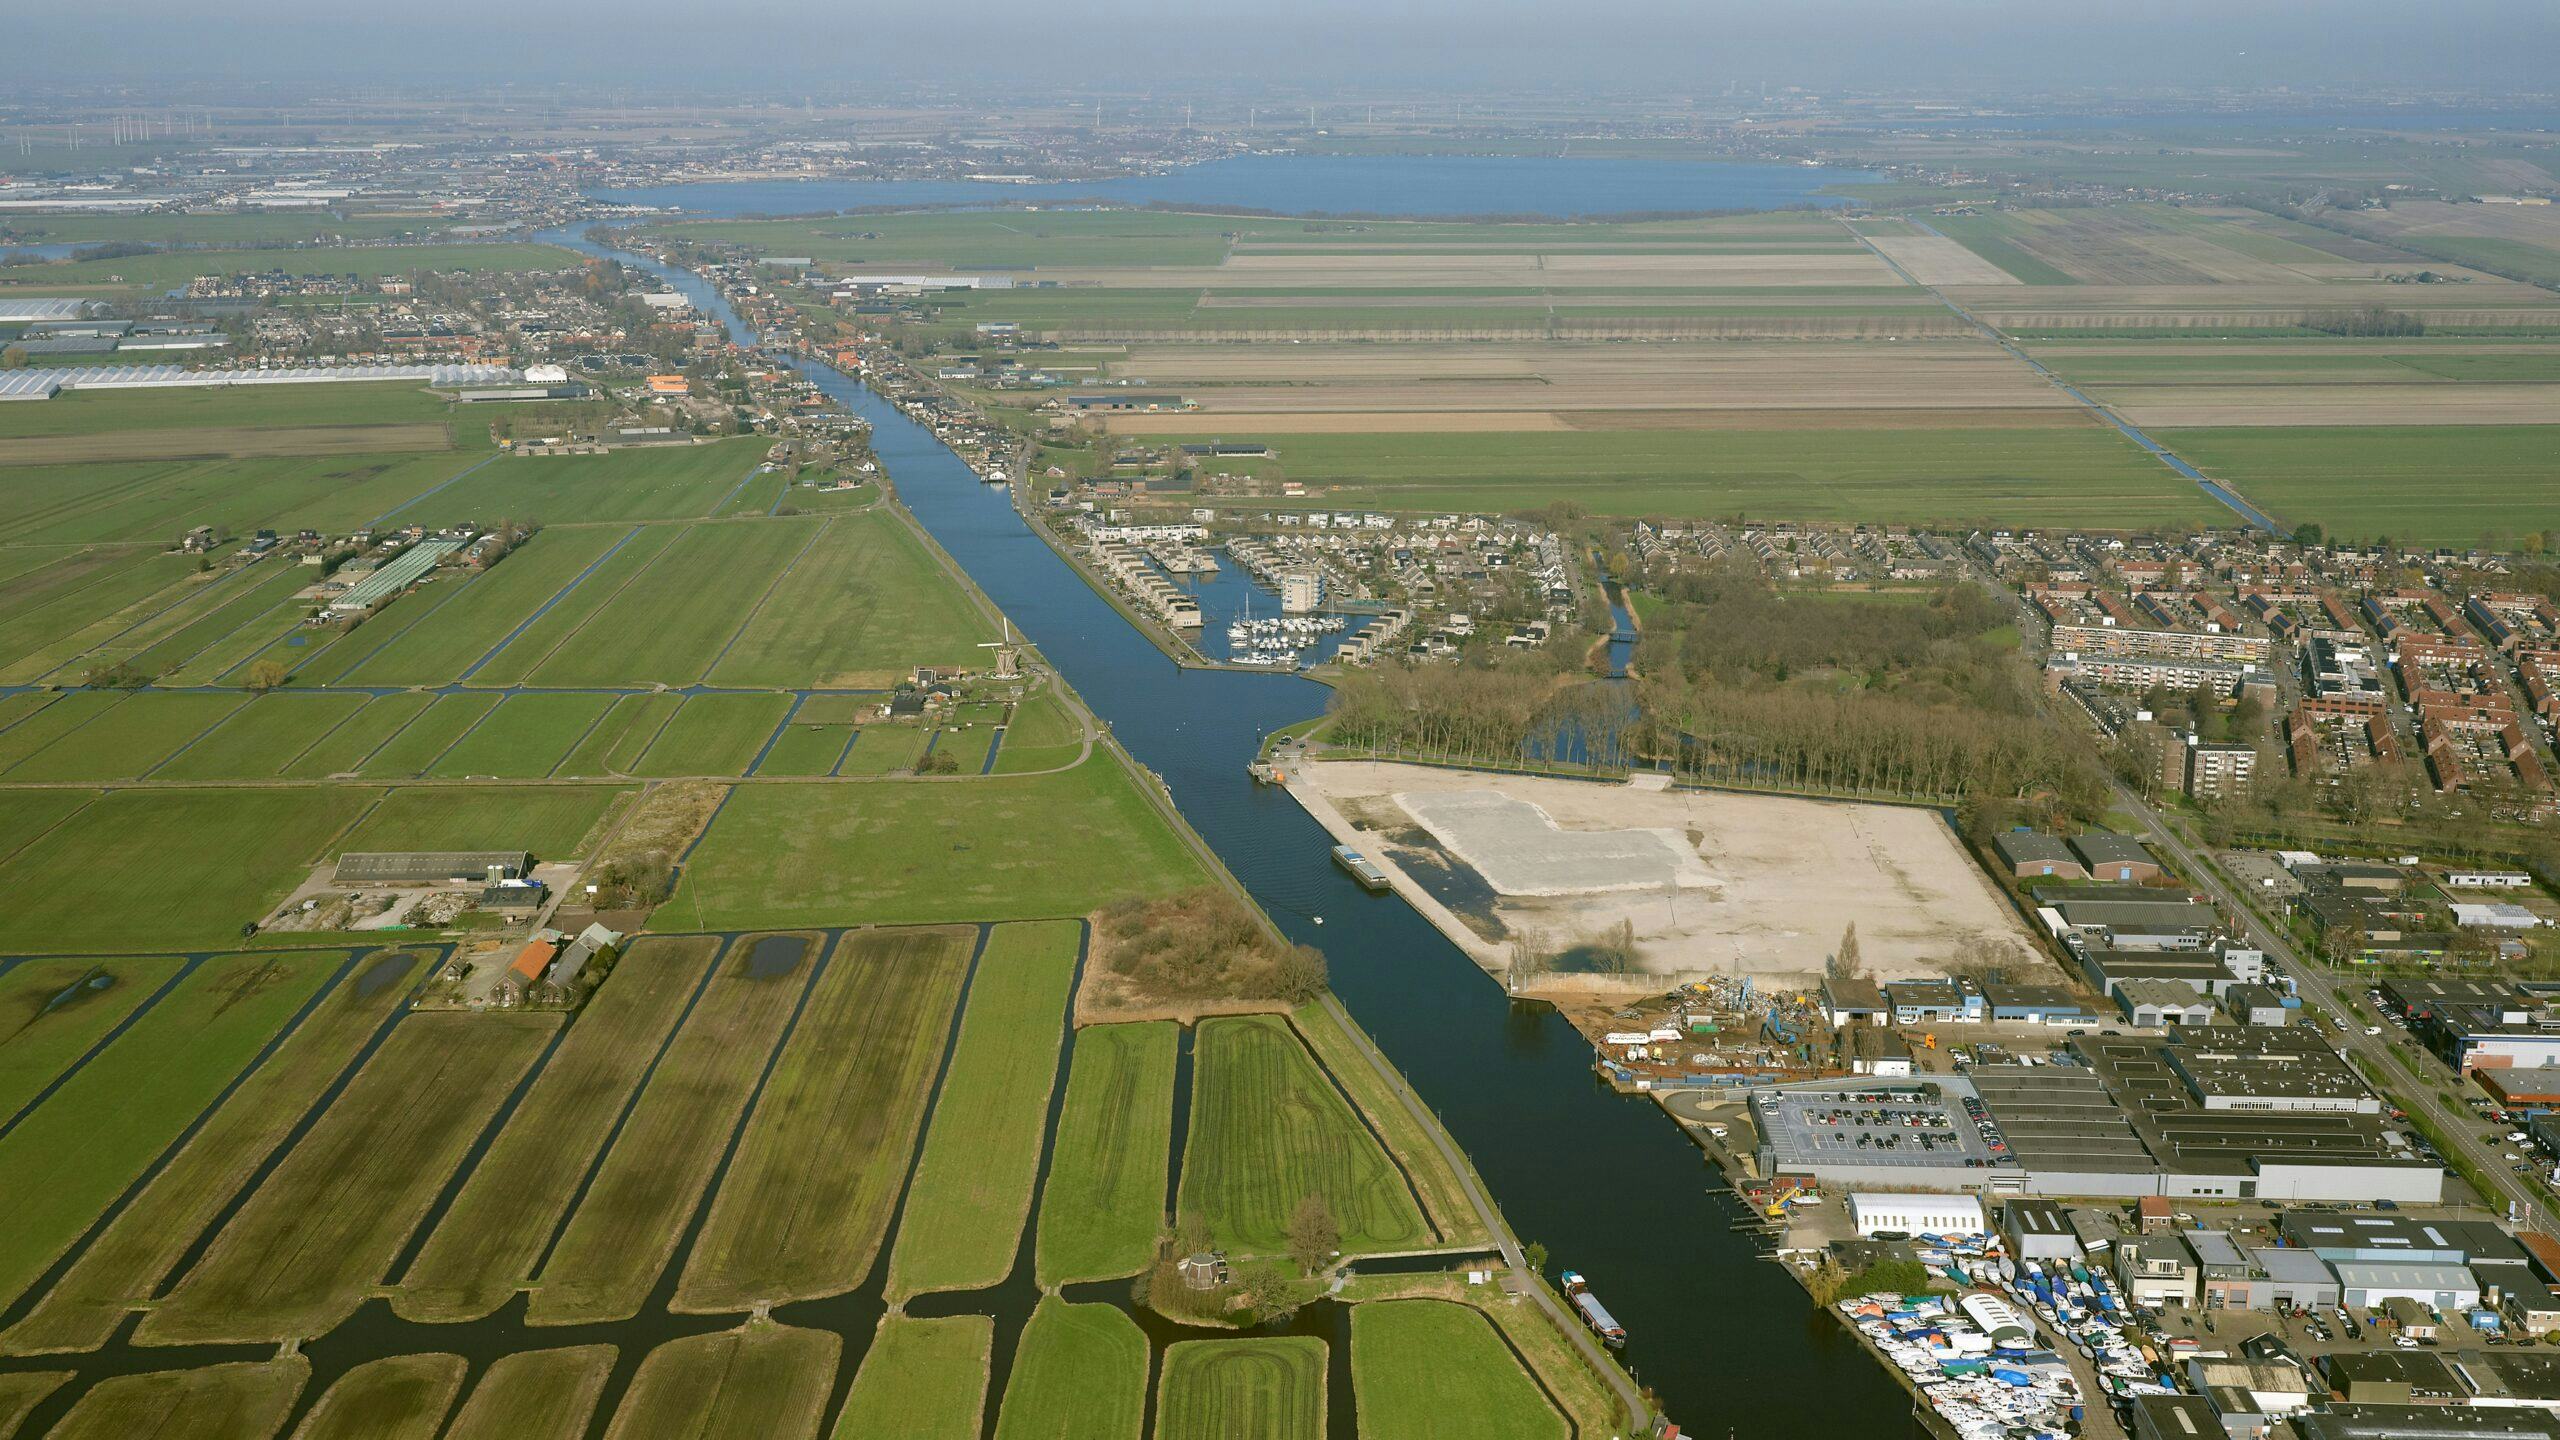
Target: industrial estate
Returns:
[[646, 792]]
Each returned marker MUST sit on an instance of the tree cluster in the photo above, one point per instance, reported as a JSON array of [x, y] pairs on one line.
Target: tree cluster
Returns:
[[2370, 321], [1204, 944]]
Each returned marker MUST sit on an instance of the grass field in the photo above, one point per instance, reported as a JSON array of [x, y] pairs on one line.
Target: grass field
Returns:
[[555, 822], [446, 643], [1039, 736], [921, 1380], [330, 479], [628, 565], [963, 1219], [402, 1397], [1430, 1370], [713, 735], [96, 1134], [526, 737], [423, 741], [1260, 1389], [626, 1226], [1080, 1374], [23, 1390], [1268, 1129], [886, 750], [491, 1238], [52, 1011], [158, 273], [671, 482], [247, 1401], [863, 608], [127, 740], [535, 1395], [344, 748], [1102, 1206], [926, 851], [765, 1380], [126, 1263], [671, 629], [806, 750], [2445, 485], [262, 737], [1443, 1197], [254, 407], [621, 737], [852, 1085], [319, 1233]]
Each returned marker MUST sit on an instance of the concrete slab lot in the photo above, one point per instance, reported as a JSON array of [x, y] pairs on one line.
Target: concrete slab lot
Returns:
[[1520, 850], [1806, 1128]]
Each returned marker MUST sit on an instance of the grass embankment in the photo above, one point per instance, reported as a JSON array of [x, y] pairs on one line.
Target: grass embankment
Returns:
[[1103, 1203], [125, 1265], [1079, 1374], [1268, 1130], [626, 1227], [491, 1238], [921, 1380], [852, 1086], [300, 1256], [1261, 1389], [963, 1219], [1431, 1370]]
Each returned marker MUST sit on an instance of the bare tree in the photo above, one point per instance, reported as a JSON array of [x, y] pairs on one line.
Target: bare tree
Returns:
[[1846, 964]]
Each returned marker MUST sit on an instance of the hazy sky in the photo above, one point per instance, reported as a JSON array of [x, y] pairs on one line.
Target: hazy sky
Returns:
[[1219, 46]]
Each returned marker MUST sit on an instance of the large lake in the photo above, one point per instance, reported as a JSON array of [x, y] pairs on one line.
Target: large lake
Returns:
[[1311, 184]]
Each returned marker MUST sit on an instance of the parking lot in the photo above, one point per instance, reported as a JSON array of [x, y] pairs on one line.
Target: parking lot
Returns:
[[1897, 1127]]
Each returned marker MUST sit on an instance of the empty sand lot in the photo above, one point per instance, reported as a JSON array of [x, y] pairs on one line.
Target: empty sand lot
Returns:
[[1713, 883]]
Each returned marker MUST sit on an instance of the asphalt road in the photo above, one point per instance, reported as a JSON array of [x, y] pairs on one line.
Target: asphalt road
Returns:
[[2324, 997]]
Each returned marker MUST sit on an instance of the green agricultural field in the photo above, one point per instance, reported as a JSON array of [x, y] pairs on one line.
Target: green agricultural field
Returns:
[[863, 608], [255, 407], [673, 626], [1268, 1129], [2061, 477], [625, 1228], [401, 1397], [418, 746], [627, 566], [1039, 736], [127, 741], [319, 1233], [1102, 1206], [447, 643], [245, 596], [886, 749], [852, 1084], [1338, 1050], [921, 1380], [159, 273], [343, 480], [1431, 1370], [806, 750], [492, 1237], [342, 750], [246, 1401], [922, 851], [215, 860], [2414, 484], [93, 1137], [125, 1265], [27, 815], [52, 1011], [714, 735], [525, 738], [659, 482], [764, 1380], [22, 1391], [972, 1192], [621, 737], [535, 1395], [56, 622], [1079, 1374], [1261, 1389], [42, 728]]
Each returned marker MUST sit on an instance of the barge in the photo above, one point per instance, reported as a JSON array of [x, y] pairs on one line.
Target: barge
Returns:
[[1593, 1313], [1362, 868]]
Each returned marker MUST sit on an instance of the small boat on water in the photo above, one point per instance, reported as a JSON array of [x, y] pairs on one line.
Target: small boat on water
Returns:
[[1593, 1313], [1362, 868]]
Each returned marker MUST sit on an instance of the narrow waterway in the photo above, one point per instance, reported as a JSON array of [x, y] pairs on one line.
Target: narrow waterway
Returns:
[[1605, 1182]]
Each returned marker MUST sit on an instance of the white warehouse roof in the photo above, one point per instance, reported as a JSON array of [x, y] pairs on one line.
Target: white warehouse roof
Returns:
[[1918, 1214]]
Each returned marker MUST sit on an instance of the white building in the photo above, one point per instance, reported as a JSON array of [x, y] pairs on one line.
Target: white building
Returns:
[[1301, 591], [1916, 1214], [2493, 915]]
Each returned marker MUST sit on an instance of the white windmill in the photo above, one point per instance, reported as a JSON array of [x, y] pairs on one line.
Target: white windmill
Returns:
[[1008, 655]]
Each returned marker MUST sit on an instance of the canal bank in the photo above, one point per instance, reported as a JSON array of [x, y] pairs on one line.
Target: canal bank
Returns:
[[1726, 1339]]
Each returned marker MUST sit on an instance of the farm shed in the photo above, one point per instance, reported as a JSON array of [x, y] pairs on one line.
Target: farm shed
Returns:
[[427, 867]]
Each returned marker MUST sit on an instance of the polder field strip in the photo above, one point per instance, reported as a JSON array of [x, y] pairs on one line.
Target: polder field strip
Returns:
[[52, 1012], [1267, 1130], [327, 486], [1079, 1373], [38, 636], [701, 591], [128, 740], [27, 816], [525, 738], [552, 821], [43, 727], [513, 659], [634, 1204], [1260, 1389], [1443, 1196], [246, 1401], [420, 743], [535, 1395], [921, 1380], [866, 606], [242, 851], [97, 1133], [488, 1241], [1102, 1205], [884, 749], [2416, 484], [22, 1391], [962, 1222], [852, 1084], [714, 735], [1039, 735], [444, 644], [318, 1233], [399, 1397], [658, 482], [1432, 1370], [805, 750], [211, 614], [621, 737], [124, 1265], [763, 1380], [344, 748], [258, 740]]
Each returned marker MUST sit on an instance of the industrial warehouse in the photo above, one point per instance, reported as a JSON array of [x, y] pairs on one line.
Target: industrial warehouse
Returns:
[[2229, 1113]]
